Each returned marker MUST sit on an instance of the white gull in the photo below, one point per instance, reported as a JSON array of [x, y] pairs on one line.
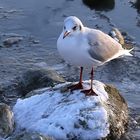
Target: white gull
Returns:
[[86, 47]]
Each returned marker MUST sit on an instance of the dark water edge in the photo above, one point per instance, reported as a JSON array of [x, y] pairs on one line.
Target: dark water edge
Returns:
[[39, 24]]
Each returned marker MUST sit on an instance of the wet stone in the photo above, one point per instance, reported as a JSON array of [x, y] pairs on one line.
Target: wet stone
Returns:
[[37, 78], [101, 5], [6, 120], [12, 41]]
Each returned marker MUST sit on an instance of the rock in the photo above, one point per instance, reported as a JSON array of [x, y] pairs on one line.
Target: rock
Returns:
[[116, 34], [136, 4], [65, 115], [11, 41], [6, 120], [30, 80], [38, 78], [118, 113], [28, 136], [119, 37], [100, 5], [138, 120]]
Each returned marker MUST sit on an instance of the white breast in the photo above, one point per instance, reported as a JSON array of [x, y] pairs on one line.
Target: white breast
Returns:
[[75, 51]]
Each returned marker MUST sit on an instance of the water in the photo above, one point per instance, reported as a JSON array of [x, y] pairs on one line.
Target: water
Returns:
[[43, 20]]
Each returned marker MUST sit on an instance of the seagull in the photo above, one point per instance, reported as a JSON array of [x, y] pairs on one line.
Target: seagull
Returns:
[[87, 48]]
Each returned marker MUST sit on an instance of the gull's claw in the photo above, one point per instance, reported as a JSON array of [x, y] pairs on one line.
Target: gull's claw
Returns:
[[76, 86], [89, 92]]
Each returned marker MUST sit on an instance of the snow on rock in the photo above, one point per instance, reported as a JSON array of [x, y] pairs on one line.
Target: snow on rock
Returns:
[[65, 115]]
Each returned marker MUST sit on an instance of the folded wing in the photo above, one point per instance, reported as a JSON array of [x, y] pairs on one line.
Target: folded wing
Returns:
[[102, 46]]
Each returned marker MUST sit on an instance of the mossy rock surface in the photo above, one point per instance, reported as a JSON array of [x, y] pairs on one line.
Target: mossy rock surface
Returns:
[[6, 120], [118, 113]]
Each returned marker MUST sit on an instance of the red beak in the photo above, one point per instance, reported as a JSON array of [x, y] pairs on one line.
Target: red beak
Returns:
[[66, 34]]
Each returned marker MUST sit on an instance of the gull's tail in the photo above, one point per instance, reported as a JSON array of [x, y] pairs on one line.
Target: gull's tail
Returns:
[[123, 52], [127, 52]]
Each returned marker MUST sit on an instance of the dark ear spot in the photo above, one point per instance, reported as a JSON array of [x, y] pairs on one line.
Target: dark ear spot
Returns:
[[80, 27], [74, 28]]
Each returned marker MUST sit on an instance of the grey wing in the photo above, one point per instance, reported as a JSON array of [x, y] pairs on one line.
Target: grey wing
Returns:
[[102, 46]]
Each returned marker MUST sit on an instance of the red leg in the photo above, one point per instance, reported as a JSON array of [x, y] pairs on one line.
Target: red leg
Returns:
[[78, 85], [90, 92]]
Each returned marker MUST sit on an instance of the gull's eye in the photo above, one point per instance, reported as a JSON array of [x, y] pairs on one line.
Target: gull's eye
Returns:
[[64, 27], [74, 28]]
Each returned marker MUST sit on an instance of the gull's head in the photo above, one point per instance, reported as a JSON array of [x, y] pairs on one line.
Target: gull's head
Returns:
[[72, 26]]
